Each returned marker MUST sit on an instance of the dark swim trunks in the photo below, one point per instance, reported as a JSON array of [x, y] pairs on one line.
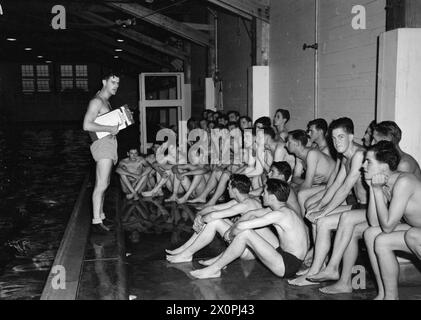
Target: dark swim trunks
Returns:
[[359, 206], [291, 262]]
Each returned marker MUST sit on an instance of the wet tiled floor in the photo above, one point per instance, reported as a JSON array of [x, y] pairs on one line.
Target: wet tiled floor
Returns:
[[152, 226]]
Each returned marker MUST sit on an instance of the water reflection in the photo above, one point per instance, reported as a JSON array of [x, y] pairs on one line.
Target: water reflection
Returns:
[[152, 216], [41, 171]]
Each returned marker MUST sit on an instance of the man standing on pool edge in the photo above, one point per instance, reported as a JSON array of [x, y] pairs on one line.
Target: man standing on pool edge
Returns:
[[104, 151]]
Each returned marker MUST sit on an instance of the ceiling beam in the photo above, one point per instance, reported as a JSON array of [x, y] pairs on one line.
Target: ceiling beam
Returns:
[[163, 22], [134, 35], [246, 8], [135, 51]]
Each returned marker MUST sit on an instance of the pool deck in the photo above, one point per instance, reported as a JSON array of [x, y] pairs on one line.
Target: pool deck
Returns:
[[129, 263]]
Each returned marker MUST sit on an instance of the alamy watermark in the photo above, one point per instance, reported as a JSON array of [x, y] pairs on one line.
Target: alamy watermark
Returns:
[[217, 147], [359, 21]]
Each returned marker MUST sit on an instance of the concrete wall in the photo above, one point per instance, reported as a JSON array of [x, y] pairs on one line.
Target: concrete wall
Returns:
[[234, 61], [347, 60]]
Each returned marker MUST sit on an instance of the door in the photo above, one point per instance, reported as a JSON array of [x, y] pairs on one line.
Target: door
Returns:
[[162, 105]]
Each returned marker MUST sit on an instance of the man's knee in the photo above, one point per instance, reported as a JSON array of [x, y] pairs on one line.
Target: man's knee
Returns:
[[371, 233], [381, 243], [101, 186], [244, 235], [301, 196], [347, 219], [323, 224], [413, 238]]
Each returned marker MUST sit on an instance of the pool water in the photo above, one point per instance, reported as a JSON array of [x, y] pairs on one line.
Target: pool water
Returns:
[[42, 168]]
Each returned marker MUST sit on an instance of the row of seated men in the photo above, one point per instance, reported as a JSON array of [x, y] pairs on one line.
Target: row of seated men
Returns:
[[300, 187]]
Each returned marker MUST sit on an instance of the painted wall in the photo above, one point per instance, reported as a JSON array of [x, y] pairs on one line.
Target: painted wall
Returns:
[[234, 61], [347, 60], [399, 77]]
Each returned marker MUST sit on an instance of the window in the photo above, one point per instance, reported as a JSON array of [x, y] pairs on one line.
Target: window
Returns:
[[35, 78], [74, 77]]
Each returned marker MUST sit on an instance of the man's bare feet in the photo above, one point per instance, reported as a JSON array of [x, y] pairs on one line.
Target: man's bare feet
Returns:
[[174, 252], [182, 200], [325, 275], [337, 288], [209, 262], [173, 198], [152, 193], [130, 196], [205, 273], [197, 200], [303, 271], [301, 281], [179, 258]]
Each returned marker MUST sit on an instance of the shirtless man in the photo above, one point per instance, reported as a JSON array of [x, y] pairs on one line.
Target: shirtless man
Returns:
[[325, 214], [281, 171], [215, 219], [280, 121], [284, 258], [130, 171], [351, 227], [390, 131], [318, 166], [394, 197], [277, 149], [317, 131], [199, 174], [104, 151], [221, 173]]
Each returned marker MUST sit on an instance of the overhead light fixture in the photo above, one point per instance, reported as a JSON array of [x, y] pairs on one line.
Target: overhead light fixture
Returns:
[[28, 49], [116, 57], [118, 50], [40, 57], [120, 40], [48, 61], [10, 39]]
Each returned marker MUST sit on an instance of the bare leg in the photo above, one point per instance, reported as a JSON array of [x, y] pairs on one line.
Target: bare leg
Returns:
[[157, 190], [212, 183], [222, 186], [413, 240], [347, 223], [325, 226], [103, 172], [385, 245], [196, 181], [205, 237], [370, 236], [249, 238], [184, 246], [143, 181], [304, 195], [344, 285], [127, 186], [176, 186], [209, 262]]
